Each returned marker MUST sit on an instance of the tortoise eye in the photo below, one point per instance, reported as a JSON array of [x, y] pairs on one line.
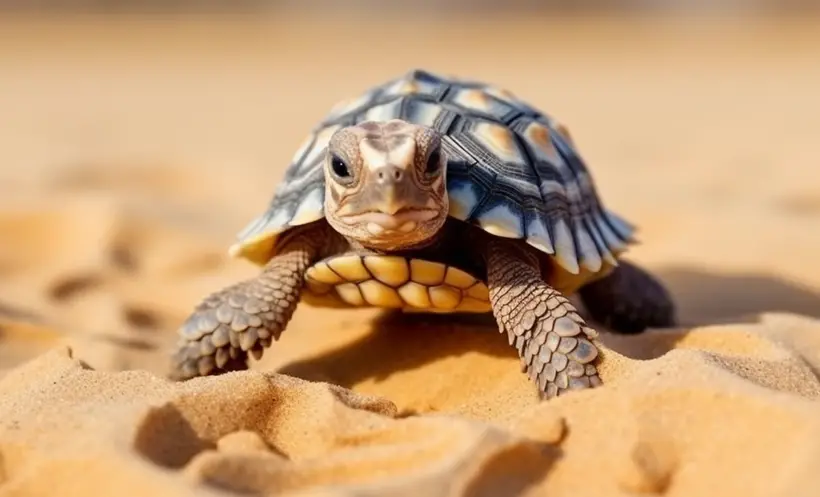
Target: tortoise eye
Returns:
[[339, 167], [433, 162]]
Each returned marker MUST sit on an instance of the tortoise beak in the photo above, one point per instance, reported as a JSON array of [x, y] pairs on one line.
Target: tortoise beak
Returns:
[[389, 202], [393, 189]]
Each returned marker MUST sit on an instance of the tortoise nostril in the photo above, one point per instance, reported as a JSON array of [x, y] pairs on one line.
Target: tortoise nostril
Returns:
[[390, 174]]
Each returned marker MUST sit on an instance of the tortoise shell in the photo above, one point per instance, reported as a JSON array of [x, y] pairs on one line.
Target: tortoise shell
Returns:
[[512, 170]]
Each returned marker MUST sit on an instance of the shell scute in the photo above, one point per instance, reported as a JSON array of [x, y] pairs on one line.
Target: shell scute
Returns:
[[391, 270]]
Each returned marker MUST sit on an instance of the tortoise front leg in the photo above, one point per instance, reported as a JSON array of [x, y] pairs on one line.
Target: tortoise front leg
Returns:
[[556, 346], [247, 316]]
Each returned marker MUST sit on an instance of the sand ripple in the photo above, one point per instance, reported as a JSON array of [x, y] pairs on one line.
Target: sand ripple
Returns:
[[668, 425]]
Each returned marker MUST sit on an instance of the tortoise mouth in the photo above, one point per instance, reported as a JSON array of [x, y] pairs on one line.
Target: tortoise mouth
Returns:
[[405, 219]]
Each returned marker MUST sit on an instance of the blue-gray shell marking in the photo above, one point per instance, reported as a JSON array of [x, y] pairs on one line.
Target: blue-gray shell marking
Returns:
[[511, 169]]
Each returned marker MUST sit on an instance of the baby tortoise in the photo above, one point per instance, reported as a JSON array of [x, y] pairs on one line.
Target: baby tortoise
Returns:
[[435, 194]]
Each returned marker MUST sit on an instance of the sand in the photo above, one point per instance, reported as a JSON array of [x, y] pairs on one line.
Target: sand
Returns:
[[132, 153]]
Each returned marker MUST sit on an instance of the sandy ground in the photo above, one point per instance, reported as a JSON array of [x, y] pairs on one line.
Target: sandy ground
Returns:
[[132, 153]]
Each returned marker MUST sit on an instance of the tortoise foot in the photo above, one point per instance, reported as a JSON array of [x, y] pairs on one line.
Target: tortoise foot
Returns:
[[629, 300]]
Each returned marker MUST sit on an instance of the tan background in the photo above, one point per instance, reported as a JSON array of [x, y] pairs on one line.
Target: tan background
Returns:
[[133, 148]]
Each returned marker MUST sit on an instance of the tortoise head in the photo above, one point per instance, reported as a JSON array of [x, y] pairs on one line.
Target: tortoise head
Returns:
[[386, 184]]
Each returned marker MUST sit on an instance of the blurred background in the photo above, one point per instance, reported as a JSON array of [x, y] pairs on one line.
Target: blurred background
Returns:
[[137, 137]]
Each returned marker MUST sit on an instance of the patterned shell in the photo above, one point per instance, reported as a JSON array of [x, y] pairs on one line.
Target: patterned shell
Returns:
[[511, 170]]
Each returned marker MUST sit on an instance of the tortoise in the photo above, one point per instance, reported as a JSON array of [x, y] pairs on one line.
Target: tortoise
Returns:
[[432, 193]]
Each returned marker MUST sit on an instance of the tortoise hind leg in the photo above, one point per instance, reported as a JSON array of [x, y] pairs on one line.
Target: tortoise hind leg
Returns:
[[557, 348], [629, 300], [247, 316]]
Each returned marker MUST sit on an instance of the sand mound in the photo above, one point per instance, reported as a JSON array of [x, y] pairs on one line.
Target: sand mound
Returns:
[[729, 404]]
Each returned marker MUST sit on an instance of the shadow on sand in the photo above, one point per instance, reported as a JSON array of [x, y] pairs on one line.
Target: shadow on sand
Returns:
[[400, 342]]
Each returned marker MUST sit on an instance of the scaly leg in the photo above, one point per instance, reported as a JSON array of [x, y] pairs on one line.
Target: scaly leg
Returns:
[[247, 316], [556, 346], [629, 300]]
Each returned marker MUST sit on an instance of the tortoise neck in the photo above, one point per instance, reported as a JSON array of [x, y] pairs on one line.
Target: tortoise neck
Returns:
[[457, 244]]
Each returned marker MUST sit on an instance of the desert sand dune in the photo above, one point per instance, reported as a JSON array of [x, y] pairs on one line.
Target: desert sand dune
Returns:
[[132, 154]]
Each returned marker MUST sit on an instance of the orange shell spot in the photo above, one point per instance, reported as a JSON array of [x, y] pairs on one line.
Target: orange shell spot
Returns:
[[475, 99], [564, 131], [501, 138], [540, 136], [409, 87], [506, 93]]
